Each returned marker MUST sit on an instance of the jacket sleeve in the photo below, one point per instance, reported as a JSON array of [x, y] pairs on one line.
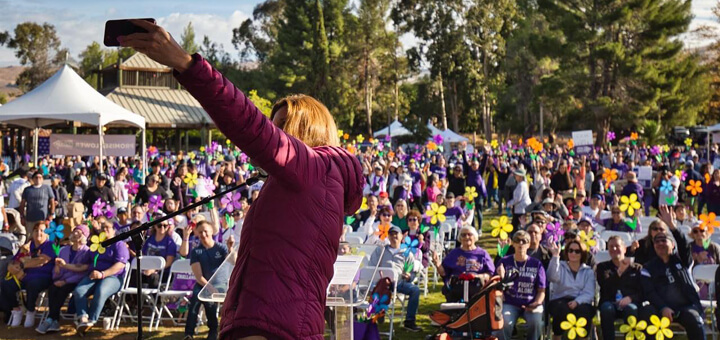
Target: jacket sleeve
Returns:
[[649, 290], [281, 155], [587, 294], [553, 271], [682, 248]]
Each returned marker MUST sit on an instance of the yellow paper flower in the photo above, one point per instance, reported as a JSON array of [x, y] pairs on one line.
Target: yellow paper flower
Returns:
[[660, 328], [574, 326], [629, 204], [494, 144], [363, 206], [340, 133], [587, 238], [501, 227], [665, 148], [470, 193], [436, 213], [227, 141], [95, 241], [191, 179], [633, 330], [360, 138], [191, 155], [694, 188], [688, 142], [202, 149]]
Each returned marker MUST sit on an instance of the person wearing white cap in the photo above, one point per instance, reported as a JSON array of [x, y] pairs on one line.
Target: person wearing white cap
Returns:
[[377, 181], [521, 197]]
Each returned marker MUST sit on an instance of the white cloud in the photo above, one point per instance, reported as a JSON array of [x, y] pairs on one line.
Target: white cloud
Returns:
[[217, 28]]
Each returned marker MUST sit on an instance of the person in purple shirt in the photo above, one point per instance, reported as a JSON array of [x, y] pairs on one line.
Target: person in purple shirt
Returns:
[[416, 186], [38, 269], [474, 178], [159, 244], [105, 279], [71, 266], [439, 168], [466, 259], [452, 209], [527, 294]]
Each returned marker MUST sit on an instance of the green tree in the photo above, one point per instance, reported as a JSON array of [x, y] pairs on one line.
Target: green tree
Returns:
[[188, 39], [257, 37], [264, 105], [3, 98], [94, 57], [38, 46]]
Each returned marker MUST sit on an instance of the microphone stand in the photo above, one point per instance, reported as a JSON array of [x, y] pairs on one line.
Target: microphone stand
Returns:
[[136, 235]]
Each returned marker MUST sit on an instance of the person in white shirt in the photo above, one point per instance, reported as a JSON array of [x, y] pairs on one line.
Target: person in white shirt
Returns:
[[16, 189], [521, 197], [377, 182]]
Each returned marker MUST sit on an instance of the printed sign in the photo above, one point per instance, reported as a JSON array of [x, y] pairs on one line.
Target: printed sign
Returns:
[[583, 141], [89, 145]]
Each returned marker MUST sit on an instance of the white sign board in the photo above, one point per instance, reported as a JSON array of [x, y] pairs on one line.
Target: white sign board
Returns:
[[644, 173], [583, 141], [346, 268]]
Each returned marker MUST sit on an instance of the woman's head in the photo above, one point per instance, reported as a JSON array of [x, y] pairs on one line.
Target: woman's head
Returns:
[[680, 212], [401, 207], [80, 234], [413, 219], [699, 234], [468, 236], [385, 215], [656, 227], [306, 119], [38, 232], [575, 251], [617, 214], [162, 228], [152, 181], [521, 242]]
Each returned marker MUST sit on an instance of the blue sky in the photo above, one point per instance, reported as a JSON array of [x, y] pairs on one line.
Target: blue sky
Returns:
[[79, 22]]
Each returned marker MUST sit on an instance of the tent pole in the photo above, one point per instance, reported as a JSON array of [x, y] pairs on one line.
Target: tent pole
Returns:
[[35, 145], [144, 156], [100, 138]]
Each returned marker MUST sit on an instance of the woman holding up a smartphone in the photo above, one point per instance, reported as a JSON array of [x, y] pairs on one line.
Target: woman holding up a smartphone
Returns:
[[285, 258]]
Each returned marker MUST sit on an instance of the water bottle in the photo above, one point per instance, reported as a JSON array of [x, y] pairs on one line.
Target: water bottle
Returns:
[[618, 297]]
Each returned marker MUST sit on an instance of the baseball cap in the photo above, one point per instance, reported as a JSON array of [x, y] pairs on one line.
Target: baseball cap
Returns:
[[597, 196], [585, 219], [122, 210], [229, 158], [383, 194], [450, 195], [395, 229], [690, 163], [102, 176]]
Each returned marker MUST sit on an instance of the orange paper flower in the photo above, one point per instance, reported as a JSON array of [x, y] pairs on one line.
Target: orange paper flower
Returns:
[[709, 222], [694, 188], [707, 178], [383, 230], [633, 136], [570, 144]]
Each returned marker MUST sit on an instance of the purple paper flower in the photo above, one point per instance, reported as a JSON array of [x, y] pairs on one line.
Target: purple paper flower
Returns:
[[98, 208], [381, 146], [655, 150], [155, 203], [554, 231], [610, 136], [387, 138], [231, 200], [683, 175], [438, 139], [132, 187], [243, 157], [417, 156]]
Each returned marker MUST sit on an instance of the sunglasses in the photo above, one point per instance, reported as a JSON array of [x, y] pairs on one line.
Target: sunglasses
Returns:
[[522, 241], [412, 219], [236, 214], [574, 251], [697, 231], [657, 229], [386, 215], [616, 213], [162, 225], [466, 235]]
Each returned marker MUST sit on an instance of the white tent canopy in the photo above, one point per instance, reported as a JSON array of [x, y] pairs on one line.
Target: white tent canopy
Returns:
[[63, 97], [714, 128], [449, 136], [395, 129]]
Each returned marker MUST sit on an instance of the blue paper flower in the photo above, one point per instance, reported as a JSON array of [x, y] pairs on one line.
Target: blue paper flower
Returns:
[[409, 245], [666, 187], [379, 304], [54, 231]]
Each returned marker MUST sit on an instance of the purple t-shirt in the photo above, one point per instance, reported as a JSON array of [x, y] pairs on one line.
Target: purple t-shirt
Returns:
[[454, 211], [117, 252], [417, 178], [439, 170], [44, 271], [476, 261], [165, 247], [531, 277]]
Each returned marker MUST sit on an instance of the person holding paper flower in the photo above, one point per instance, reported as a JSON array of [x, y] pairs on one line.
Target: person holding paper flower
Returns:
[[38, 269], [279, 290], [466, 259], [107, 266], [71, 266]]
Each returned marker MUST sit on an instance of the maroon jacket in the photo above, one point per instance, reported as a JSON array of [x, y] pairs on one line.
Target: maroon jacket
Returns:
[[291, 234]]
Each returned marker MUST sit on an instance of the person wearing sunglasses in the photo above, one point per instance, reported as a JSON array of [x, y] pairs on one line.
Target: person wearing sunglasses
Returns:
[[160, 243], [618, 222], [414, 220], [642, 250], [667, 282], [400, 217], [535, 247], [704, 251], [466, 259], [620, 287], [527, 294], [385, 220], [573, 284]]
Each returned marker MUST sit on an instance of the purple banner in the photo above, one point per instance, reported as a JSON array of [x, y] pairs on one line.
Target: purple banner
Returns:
[[89, 145]]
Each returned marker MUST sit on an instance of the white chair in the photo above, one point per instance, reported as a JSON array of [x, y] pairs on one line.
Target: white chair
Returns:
[[179, 267], [706, 273], [605, 215], [369, 273], [354, 239], [115, 299], [646, 220], [602, 256], [150, 295], [715, 237], [626, 237]]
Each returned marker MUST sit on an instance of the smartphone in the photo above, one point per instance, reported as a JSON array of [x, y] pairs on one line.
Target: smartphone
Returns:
[[117, 28]]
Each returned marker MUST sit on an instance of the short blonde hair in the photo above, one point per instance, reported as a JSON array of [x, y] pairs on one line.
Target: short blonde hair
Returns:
[[307, 120]]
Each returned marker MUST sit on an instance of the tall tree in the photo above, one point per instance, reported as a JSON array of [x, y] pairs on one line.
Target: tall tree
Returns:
[[38, 46], [188, 39], [257, 37]]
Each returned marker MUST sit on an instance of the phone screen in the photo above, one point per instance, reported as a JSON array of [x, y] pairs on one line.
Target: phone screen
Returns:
[[117, 28]]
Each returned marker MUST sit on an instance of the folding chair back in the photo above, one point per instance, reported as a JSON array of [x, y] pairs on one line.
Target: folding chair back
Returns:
[[150, 295], [179, 267], [602, 256], [626, 237]]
